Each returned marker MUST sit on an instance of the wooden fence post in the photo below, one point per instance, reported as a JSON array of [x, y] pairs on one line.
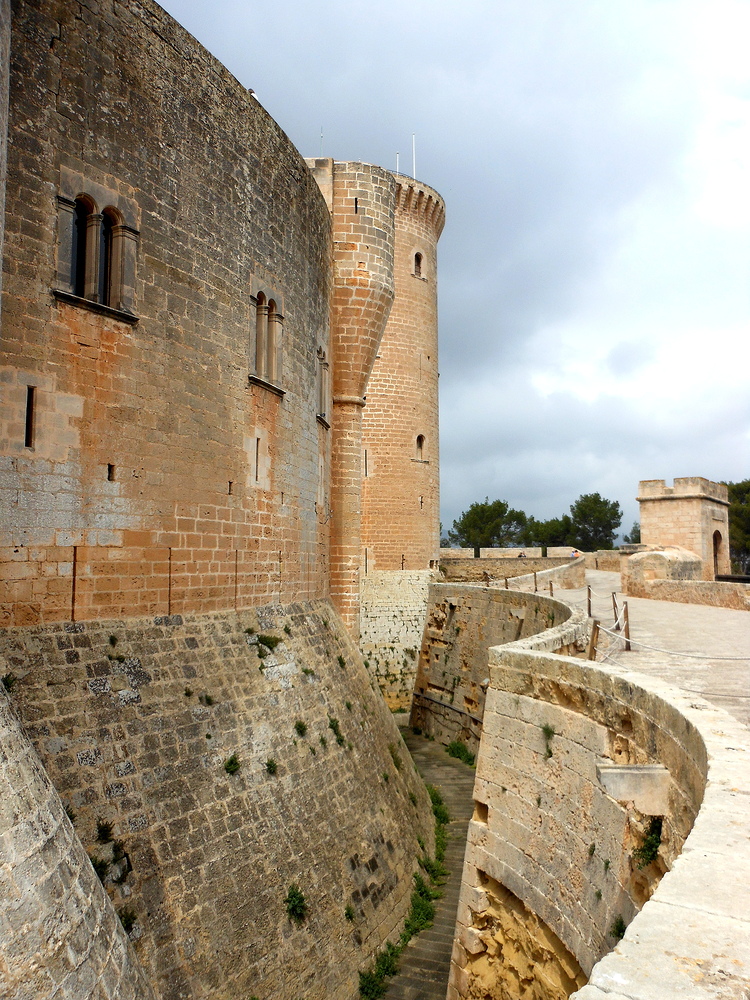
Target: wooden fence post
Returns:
[[591, 651], [627, 625]]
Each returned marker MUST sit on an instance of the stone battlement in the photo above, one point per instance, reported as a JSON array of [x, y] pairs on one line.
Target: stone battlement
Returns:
[[690, 486]]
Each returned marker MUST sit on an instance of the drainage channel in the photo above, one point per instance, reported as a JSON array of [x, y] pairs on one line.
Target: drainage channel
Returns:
[[425, 963]]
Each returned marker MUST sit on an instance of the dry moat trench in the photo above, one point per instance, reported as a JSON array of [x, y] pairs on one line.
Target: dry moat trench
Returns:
[[120, 734]]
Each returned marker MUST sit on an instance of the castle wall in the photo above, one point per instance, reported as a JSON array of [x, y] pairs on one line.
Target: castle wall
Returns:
[[463, 622], [692, 514], [401, 461], [673, 574], [60, 934], [477, 570], [134, 720], [392, 619], [151, 430]]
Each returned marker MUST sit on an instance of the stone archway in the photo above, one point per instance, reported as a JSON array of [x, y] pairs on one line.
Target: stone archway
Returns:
[[718, 542]]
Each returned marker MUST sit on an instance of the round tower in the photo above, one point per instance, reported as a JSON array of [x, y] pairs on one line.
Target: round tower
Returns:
[[401, 467], [362, 198]]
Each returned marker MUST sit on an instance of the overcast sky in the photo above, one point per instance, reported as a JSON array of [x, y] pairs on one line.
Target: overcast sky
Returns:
[[595, 264]]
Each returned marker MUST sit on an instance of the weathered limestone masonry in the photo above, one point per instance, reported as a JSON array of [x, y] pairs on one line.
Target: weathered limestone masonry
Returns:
[[362, 199], [401, 484], [670, 573], [134, 721], [5, 18], [692, 514], [462, 623], [497, 553], [148, 447], [575, 761], [59, 932], [394, 608], [400, 455], [178, 294], [497, 569]]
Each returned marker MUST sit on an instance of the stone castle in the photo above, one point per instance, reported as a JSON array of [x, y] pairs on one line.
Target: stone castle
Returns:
[[219, 471], [193, 319]]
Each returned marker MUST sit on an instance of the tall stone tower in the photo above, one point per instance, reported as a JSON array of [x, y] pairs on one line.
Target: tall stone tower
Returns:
[[401, 467], [360, 197]]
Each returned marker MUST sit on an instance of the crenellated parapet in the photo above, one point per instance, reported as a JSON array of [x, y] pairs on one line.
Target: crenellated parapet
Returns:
[[692, 514], [421, 201], [401, 486]]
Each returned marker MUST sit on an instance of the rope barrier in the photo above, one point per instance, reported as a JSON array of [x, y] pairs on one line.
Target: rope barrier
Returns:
[[676, 652]]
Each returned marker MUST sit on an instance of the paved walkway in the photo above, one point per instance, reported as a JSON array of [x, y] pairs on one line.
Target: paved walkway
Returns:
[[425, 962], [720, 672]]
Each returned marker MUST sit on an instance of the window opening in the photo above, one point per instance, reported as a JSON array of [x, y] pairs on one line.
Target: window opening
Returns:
[[323, 387], [29, 430], [257, 458], [356, 206], [365, 461], [110, 473], [96, 254], [261, 325], [420, 448], [418, 265], [272, 342], [717, 551], [104, 289], [78, 260], [231, 488], [268, 324]]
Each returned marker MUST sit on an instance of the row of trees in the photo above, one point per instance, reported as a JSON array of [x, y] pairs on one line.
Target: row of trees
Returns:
[[739, 525], [591, 524]]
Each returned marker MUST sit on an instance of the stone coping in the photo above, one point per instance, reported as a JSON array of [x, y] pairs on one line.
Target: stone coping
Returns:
[[691, 940]]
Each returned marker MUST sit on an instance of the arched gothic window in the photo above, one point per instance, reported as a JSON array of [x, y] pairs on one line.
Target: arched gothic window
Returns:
[[96, 254], [417, 265], [323, 385], [268, 329]]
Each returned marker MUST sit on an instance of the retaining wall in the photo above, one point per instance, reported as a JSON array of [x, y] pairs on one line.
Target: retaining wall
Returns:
[[134, 720], [474, 570], [570, 575], [550, 867], [718, 595], [609, 560], [59, 932], [462, 623], [392, 618]]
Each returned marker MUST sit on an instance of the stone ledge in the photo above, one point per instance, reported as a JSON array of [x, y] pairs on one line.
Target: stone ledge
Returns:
[[645, 785]]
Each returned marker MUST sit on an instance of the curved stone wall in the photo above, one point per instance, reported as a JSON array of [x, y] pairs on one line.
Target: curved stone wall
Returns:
[[151, 431], [135, 721], [463, 622], [401, 486], [59, 933], [575, 761]]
